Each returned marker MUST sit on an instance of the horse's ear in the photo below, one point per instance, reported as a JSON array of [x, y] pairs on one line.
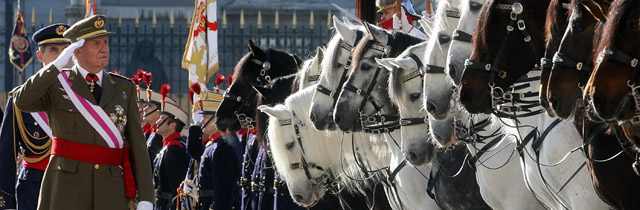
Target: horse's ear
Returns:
[[347, 35], [254, 49], [426, 26], [385, 62], [347, 21], [276, 111], [379, 35], [263, 91], [319, 54]]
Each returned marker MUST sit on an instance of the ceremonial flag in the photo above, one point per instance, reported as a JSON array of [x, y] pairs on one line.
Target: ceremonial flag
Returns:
[[201, 51], [20, 54], [90, 8]]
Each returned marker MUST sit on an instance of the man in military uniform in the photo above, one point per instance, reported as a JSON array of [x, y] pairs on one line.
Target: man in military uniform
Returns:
[[390, 21], [151, 114], [170, 165], [23, 132], [219, 166], [93, 165]]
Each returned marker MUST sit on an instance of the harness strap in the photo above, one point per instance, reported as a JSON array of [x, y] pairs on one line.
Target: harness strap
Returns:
[[537, 142], [462, 36], [473, 159]]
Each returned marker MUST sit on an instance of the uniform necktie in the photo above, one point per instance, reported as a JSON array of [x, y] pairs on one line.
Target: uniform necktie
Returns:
[[94, 88]]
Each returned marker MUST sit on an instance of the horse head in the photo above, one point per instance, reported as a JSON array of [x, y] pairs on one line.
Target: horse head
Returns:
[[612, 88], [257, 67], [572, 65], [437, 87], [405, 92], [557, 19], [333, 73], [461, 45], [506, 47], [364, 93], [295, 165]]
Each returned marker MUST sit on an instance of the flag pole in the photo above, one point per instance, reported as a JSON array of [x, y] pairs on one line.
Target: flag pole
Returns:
[[429, 7]]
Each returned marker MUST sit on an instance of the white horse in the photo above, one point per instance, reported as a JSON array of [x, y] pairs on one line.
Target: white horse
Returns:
[[313, 161], [310, 73], [407, 192], [334, 66], [498, 171]]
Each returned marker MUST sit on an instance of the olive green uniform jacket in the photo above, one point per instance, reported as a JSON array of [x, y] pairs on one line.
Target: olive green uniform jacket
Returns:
[[70, 184]]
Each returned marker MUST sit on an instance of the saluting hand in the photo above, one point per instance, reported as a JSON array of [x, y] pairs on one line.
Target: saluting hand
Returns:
[[64, 58]]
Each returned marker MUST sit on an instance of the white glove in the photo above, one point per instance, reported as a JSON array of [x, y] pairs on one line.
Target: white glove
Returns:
[[145, 205], [401, 23], [64, 58]]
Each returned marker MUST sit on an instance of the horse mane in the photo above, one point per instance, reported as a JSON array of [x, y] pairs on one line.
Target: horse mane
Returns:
[[244, 64], [553, 15], [619, 11], [480, 37], [281, 89], [441, 14], [333, 47], [396, 87]]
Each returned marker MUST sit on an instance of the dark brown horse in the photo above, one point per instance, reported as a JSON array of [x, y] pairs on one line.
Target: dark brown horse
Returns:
[[569, 74], [523, 39], [616, 73], [557, 18]]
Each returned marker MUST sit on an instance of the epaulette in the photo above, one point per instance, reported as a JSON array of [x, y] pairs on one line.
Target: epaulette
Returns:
[[119, 76]]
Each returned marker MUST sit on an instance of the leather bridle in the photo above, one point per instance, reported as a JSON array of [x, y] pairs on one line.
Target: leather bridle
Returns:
[[245, 102], [516, 21]]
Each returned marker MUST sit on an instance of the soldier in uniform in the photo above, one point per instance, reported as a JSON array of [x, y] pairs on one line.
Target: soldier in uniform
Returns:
[[220, 165], [170, 165], [93, 165], [23, 132], [151, 114], [390, 21]]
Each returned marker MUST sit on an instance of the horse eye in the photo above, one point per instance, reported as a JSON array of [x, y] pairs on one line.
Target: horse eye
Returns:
[[443, 39], [475, 6], [289, 145], [414, 97], [365, 67]]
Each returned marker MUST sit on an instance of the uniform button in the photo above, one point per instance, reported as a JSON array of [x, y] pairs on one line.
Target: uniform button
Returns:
[[200, 204], [97, 166], [206, 156], [70, 110], [59, 168], [233, 207], [35, 123], [281, 194]]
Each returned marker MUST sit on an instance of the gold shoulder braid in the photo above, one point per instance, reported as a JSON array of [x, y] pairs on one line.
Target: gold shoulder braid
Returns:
[[44, 150]]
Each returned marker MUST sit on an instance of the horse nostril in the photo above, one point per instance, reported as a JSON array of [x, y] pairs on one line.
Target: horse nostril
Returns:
[[553, 100], [431, 108], [312, 117], [452, 72], [411, 156], [298, 197]]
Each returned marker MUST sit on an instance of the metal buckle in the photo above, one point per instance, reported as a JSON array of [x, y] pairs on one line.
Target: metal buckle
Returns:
[[527, 39], [266, 65], [521, 25], [634, 62], [509, 28], [263, 72], [371, 119], [487, 67], [404, 122], [579, 66], [507, 96], [502, 74], [635, 120]]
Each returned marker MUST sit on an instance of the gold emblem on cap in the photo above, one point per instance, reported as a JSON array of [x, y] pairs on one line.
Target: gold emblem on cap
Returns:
[[60, 30], [99, 23]]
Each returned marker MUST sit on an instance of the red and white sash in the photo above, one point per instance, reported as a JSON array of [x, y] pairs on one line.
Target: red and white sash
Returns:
[[94, 114], [43, 122]]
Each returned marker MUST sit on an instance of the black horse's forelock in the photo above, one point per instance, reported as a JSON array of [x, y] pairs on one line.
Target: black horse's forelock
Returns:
[[281, 61], [281, 89]]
